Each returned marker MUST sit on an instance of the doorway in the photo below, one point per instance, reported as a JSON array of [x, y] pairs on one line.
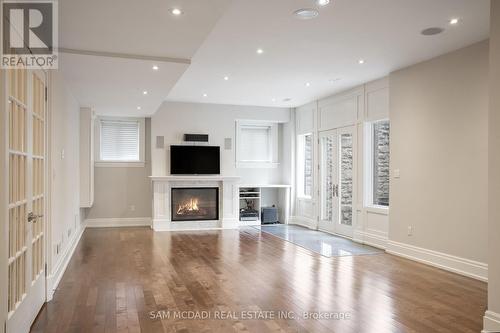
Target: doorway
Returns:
[[336, 171]]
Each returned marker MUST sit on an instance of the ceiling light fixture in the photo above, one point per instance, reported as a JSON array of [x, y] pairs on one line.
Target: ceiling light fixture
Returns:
[[454, 21], [138, 108], [322, 2], [260, 51], [287, 99], [176, 11], [155, 68], [361, 61], [306, 13], [334, 80], [205, 95], [308, 84], [145, 92], [226, 78], [274, 99]]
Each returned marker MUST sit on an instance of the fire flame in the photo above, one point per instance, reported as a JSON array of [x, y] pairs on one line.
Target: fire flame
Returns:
[[190, 205]]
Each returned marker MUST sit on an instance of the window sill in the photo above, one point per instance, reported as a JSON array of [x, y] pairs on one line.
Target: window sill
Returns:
[[304, 198], [382, 210], [119, 164]]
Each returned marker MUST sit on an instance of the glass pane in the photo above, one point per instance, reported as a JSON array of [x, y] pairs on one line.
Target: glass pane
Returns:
[[327, 181], [346, 168], [381, 132], [308, 165]]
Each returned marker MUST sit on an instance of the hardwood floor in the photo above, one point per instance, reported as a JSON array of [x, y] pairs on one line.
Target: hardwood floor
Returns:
[[119, 279]]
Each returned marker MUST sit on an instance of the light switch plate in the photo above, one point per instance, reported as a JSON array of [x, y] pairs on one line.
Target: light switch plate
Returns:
[[397, 173]]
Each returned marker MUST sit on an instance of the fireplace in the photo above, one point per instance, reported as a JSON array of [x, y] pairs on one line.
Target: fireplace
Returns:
[[195, 203]]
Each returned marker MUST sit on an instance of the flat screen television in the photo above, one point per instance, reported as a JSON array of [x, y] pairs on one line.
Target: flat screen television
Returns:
[[194, 160]]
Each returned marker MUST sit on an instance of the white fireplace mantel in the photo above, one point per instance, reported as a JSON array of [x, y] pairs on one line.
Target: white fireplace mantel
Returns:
[[228, 202]]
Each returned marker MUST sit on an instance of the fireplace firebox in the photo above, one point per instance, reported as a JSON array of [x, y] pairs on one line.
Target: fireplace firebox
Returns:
[[195, 203]]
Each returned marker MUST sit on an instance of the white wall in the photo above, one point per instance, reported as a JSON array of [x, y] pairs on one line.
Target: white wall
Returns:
[[492, 317], [122, 194], [439, 126], [65, 213], [173, 120], [353, 107]]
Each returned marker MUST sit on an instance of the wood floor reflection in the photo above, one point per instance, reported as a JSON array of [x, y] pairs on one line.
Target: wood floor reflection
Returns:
[[132, 279]]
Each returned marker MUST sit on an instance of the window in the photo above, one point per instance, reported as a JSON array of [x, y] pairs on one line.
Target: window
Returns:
[[378, 158], [305, 165], [257, 144], [120, 141]]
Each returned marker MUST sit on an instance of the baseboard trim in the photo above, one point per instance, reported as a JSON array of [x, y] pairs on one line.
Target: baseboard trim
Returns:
[[462, 266], [118, 222], [376, 240], [57, 273], [491, 322], [303, 221]]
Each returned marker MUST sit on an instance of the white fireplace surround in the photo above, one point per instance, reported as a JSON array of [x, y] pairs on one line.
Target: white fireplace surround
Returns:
[[228, 202]]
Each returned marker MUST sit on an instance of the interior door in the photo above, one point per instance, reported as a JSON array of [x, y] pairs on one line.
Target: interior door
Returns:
[[336, 168], [26, 105]]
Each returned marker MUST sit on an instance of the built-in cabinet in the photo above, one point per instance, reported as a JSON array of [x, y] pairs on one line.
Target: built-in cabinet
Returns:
[[87, 125]]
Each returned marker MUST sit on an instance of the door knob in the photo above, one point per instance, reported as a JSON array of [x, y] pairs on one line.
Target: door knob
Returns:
[[33, 217]]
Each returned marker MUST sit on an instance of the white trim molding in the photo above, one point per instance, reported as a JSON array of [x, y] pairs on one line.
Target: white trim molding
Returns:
[[58, 271], [491, 322], [118, 222], [462, 266], [373, 238], [303, 221]]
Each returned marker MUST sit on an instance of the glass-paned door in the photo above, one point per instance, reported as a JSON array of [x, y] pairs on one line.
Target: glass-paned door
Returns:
[[26, 108], [336, 168]]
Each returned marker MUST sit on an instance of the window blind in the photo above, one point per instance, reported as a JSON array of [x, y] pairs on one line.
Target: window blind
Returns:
[[255, 143], [119, 140]]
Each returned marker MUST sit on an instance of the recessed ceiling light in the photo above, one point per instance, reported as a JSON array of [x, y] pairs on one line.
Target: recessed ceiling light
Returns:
[[454, 21], [307, 84], [322, 2], [334, 80], [361, 61], [155, 68], [306, 13], [260, 51], [138, 108], [205, 95], [274, 99], [145, 92], [287, 100], [226, 78], [176, 11]]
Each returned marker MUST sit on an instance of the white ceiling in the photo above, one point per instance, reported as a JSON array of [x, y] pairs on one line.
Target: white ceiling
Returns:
[[386, 33], [221, 37], [113, 85]]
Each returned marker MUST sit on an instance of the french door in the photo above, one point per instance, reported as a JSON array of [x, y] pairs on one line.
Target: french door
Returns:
[[26, 132], [336, 158]]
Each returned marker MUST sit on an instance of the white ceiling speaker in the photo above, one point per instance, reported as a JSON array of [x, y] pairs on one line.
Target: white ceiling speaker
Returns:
[[432, 31], [306, 13]]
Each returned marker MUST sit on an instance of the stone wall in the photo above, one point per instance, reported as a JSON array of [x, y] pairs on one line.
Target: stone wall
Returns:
[[381, 133]]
